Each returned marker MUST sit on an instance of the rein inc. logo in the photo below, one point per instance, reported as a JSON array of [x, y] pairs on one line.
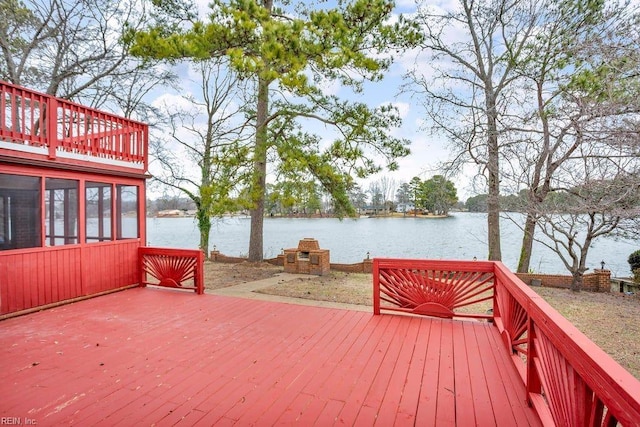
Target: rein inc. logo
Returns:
[[17, 421]]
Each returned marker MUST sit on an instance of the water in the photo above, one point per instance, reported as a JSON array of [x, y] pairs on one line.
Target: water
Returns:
[[461, 236]]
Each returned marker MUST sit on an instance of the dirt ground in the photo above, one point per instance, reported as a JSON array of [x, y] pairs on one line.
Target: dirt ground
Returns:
[[219, 275], [610, 320]]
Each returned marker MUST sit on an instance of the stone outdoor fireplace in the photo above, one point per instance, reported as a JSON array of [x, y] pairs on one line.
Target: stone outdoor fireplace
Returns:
[[307, 258]]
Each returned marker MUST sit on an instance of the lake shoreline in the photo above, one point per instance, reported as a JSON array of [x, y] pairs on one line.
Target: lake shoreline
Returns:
[[303, 216], [461, 236]]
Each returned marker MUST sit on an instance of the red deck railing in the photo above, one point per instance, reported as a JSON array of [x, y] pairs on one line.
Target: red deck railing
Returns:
[[51, 127], [172, 268], [569, 380]]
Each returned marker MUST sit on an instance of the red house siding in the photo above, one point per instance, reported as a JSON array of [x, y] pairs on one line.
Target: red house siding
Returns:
[[107, 266], [31, 278], [85, 146]]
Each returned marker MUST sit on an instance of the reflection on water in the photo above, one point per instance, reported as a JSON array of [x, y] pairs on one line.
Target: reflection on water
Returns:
[[461, 236]]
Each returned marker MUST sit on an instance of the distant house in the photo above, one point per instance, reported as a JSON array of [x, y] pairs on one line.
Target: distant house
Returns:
[[170, 213], [370, 210], [405, 207]]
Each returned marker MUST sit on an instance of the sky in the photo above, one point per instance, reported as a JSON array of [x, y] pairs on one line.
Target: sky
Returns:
[[427, 149]]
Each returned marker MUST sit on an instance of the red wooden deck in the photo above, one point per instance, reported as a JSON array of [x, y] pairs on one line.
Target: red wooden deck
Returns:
[[155, 356]]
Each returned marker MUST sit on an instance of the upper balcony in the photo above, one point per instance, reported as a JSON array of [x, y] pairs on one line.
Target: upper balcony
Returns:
[[41, 129]]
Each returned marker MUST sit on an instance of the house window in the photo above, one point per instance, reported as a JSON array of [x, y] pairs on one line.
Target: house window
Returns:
[[98, 212], [61, 211], [127, 212], [19, 212]]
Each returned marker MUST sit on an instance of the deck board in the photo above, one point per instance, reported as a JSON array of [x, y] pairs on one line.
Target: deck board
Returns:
[[406, 413], [478, 377], [164, 357]]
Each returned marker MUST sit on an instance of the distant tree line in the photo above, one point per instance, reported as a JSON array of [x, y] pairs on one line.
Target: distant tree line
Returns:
[[509, 203], [563, 201], [435, 195]]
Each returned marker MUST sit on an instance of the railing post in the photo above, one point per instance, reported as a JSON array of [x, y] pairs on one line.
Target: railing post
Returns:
[[144, 146], [376, 286], [52, 125], [533, 384], [142, 274], [199, 276]]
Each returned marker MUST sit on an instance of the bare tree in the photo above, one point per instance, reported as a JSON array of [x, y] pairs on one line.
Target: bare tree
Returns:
[[520, 83], [74, 50], [571, 220], [208, 133], [387, 188], [473, 50], [377, 197], [548, 126]]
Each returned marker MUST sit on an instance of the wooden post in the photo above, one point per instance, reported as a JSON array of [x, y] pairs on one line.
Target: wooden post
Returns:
[[52, 126], [376, 287], [533, 384], [199, 273]]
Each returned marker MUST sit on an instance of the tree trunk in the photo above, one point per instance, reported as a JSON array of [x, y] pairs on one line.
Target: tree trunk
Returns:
[[578, 273], [576, 282], [527, 244], [493, 168], [537, 192], [204, 225], [256, 252]]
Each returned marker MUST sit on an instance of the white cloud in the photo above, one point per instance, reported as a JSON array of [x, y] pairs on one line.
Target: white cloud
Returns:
[[404, 108], [330, 87], [202, 6], [172, 101]]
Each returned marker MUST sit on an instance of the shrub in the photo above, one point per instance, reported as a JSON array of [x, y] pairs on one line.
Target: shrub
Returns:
[[634, 260]]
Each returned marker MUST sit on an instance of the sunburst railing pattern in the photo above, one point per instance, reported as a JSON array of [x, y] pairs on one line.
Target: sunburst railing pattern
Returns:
[[512, 319], [435, 288], [568, 379], [570, 400], [172, 268]]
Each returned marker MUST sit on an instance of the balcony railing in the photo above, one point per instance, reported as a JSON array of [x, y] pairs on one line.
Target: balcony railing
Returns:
[[569, 380], [45, 127]]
